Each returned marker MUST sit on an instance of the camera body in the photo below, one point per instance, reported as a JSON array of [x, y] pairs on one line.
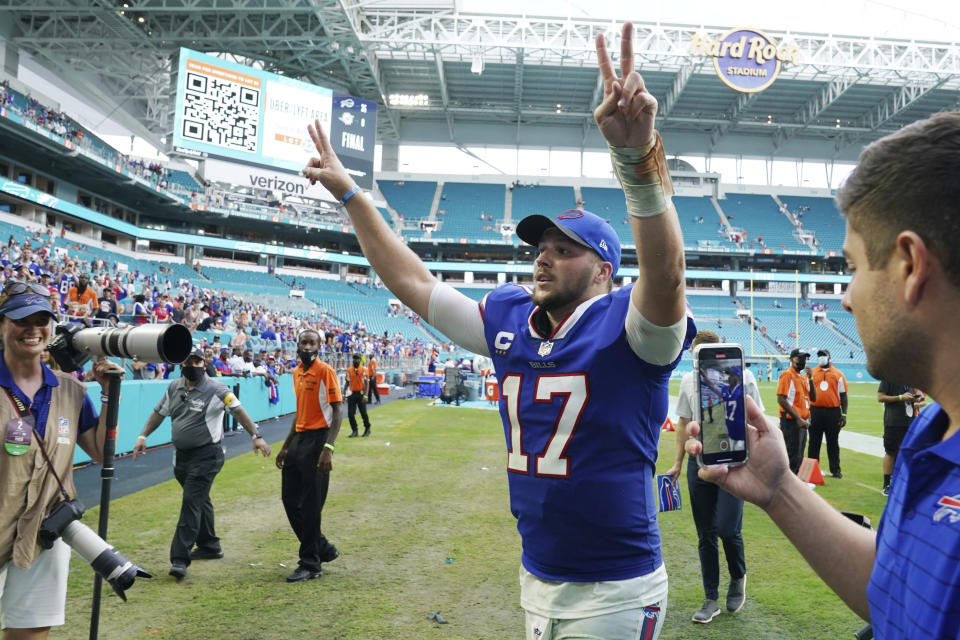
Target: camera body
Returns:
[[110, 564], [59, 519]]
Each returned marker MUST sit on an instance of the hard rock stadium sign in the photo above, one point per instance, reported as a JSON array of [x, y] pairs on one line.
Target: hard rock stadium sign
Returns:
[[746, 60]]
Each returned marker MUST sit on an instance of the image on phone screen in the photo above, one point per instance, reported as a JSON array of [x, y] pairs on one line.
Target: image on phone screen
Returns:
[[723, 421]]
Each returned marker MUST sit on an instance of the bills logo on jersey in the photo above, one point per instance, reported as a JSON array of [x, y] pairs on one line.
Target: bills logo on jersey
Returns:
[[545, 348], [949, 509]]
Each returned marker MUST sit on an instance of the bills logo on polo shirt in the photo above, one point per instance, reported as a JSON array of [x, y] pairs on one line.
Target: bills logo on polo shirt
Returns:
[[949, 508]]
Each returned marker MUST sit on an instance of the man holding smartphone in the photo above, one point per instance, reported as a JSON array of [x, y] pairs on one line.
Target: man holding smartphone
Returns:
[[794, 393], [900, 203]]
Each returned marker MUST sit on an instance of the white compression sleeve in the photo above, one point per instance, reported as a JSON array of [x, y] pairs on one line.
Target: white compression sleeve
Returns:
[[458, 317], [652, 343]]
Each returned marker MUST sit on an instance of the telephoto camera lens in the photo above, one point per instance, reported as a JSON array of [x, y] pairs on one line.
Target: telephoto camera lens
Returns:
[[105, 559]]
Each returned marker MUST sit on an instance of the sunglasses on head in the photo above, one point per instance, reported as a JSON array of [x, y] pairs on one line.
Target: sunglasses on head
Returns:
[[18, 287]]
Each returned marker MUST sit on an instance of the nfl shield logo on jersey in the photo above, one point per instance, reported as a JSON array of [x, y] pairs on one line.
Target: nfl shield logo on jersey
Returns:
[[545, 348]]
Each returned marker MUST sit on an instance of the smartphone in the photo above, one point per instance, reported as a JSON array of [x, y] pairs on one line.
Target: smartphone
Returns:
[[718, 372]]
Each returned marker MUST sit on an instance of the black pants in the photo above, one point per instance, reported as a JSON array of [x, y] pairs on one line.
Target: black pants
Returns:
[[195, 470], [304, 491], [796, 439], [354, 400], [373, 389], [825, 421], [716, 513]]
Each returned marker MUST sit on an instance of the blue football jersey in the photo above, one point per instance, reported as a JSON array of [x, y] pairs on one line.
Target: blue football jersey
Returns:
[[582, 416], [64, 283], [733, 410]]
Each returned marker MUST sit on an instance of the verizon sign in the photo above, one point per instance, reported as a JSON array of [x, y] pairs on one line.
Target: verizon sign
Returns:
[[280, 182]]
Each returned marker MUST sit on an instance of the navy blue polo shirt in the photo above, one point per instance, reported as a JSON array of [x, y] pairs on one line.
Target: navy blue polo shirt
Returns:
[[914, 590], [40, 407]]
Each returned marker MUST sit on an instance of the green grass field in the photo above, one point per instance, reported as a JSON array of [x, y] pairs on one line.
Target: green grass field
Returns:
[[423, 524]]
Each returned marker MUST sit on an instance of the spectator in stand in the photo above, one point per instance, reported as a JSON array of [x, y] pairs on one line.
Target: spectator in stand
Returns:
[[82, 294], [141, 313], [239, 339]]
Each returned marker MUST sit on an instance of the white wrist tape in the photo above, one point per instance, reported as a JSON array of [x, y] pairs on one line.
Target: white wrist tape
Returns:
[[645, 178]]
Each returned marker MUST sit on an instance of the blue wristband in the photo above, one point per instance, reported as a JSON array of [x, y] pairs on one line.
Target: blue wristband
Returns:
[[349, 194]]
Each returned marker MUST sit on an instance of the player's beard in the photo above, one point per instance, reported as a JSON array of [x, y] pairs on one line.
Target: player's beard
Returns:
[[562, 294]]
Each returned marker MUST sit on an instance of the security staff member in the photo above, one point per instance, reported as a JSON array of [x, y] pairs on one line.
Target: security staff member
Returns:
[[794, 393], [828, 413], [372, 374], [356, 383], [195, 404], [306, 457]]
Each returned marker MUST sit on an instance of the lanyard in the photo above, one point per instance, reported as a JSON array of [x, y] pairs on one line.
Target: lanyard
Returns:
[[23, 410]]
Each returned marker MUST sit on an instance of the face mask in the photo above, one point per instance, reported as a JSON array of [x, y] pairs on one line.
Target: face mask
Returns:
[[306, 357], [823, 360], [192, 373]]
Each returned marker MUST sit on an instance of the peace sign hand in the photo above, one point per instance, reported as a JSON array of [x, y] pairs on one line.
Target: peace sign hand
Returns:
[[327, 169], [626, 115]]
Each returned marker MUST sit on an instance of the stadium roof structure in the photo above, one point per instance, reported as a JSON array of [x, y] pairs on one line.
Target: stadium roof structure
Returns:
[[445, 77]]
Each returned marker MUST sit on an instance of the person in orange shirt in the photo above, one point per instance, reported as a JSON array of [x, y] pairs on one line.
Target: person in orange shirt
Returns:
[[82, 293], [306, 457], [372, 374], [356, 384], [829, 411], [794, 393]]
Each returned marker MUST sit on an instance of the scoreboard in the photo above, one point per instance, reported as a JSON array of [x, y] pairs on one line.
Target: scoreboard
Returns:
[[235, 112]]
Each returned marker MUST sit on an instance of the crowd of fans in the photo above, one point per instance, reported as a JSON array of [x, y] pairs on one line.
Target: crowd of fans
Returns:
[[240, 337]]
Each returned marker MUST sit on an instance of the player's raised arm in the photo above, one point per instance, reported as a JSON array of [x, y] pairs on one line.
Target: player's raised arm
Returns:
[[401, 270], [626, 120]]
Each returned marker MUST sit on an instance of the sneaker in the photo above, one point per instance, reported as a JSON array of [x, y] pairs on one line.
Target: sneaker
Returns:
[[736, 594], [836, 475], [178, 570], [353, 434], [366, 432], [302, 574], [205, 554], [707, 612], [885, 491]]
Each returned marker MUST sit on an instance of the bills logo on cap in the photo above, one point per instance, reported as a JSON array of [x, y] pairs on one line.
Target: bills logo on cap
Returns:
[[63, 426], [949, 509], [570, 214]]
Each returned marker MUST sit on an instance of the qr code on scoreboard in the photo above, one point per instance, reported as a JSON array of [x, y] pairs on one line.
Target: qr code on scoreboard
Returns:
[[222, 113]]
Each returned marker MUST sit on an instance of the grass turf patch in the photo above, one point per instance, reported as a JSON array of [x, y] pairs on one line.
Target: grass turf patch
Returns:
[[398, 513]]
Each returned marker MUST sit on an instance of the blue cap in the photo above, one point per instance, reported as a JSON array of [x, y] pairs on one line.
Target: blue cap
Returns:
[[20, 306], [735, 371], [583, 227]]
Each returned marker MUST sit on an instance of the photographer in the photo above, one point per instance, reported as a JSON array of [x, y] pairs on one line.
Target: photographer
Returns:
[[33, 583], [195, 404]]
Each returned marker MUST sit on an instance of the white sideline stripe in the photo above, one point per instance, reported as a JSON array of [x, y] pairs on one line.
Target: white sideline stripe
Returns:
[[870, 445]]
